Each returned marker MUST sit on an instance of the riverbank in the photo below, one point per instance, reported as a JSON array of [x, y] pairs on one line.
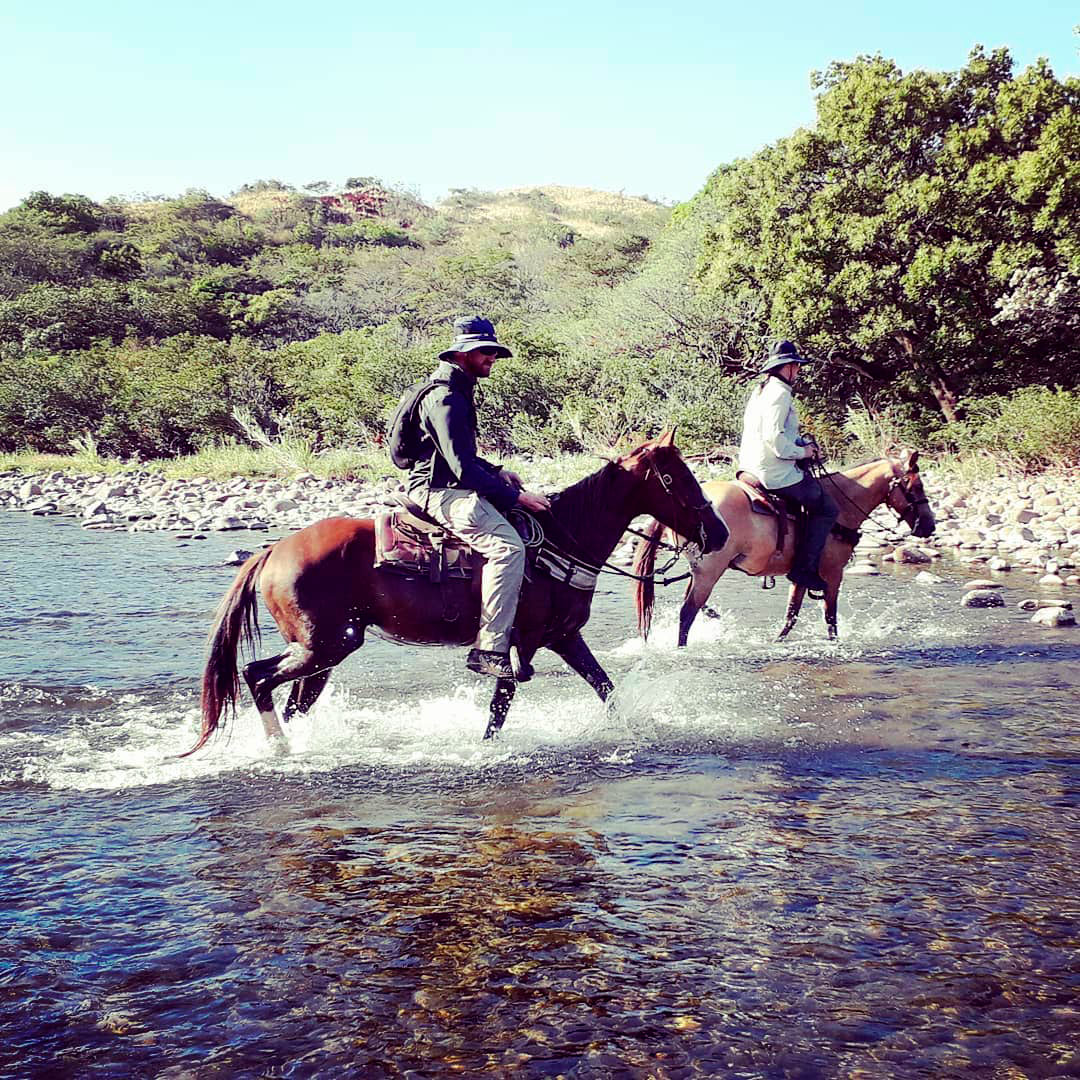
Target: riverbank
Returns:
[[1003, 523]]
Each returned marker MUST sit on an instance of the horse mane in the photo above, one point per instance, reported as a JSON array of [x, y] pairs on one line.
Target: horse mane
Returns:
[[579, 501]]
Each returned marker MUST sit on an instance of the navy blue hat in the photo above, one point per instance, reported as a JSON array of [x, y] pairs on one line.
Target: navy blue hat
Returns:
[[783, 352], [473, 332]]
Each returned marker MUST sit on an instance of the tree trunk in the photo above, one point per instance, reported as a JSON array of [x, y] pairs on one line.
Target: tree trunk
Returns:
[[940, 384]]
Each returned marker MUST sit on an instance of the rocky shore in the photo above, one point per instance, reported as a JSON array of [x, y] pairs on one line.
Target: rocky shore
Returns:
[[1003, 525]]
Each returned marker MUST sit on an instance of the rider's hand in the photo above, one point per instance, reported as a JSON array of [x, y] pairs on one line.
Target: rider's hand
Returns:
[[512, 478], [533, 500]]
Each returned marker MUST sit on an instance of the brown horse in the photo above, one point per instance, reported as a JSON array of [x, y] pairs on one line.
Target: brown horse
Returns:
[[323, 590], [751, 547]]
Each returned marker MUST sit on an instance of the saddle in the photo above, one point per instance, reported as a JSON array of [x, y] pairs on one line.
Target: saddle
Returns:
[[409, 541], [788, 512]]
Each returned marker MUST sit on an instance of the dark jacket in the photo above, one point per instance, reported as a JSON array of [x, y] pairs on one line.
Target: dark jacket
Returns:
[[448, 458]]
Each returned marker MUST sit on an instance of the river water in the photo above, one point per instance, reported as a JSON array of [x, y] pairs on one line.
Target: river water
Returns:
[[795, 859]]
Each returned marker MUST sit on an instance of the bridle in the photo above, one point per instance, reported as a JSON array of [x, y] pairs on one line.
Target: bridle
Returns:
[[911, 502], [897, 483], [668, 486]]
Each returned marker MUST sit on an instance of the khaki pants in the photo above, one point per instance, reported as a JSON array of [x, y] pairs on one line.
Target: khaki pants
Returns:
[[475, 521]]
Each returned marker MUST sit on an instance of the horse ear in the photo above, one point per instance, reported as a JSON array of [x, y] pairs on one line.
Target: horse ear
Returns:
[[913, 461], [667, 439]]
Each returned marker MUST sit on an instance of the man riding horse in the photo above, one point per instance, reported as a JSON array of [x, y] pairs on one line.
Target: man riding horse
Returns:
[[467, 495], [776, 455]]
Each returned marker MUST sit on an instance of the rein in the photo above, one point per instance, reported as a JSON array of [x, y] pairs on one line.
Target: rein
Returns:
[[868, 515], [607, 567]]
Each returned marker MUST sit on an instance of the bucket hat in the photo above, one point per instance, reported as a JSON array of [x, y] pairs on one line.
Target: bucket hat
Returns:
[[473, 332], [783, 352]]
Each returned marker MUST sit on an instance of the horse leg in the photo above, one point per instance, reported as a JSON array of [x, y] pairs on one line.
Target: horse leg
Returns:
[[304, 693], [832, 594], [500, 706], [795, 599], [697, 592], [578, 657]]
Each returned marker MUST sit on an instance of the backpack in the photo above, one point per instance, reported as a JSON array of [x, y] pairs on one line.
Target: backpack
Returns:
[[404, 435]]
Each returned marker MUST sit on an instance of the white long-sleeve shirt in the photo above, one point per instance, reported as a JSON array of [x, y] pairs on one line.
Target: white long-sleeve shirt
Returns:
[[770, 437]]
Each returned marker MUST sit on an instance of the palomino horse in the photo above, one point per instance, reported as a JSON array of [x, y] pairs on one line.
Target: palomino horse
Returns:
[[751, 547], [323, 591]]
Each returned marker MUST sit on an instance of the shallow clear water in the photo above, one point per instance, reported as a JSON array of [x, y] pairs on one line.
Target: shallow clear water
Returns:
[[800, 859]]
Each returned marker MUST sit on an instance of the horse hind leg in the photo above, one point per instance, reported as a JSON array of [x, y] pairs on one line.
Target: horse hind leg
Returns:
[[305, 693], [264, 676]]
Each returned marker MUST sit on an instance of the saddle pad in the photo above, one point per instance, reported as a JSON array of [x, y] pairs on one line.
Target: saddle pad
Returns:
[[569, 573], [402, 549]]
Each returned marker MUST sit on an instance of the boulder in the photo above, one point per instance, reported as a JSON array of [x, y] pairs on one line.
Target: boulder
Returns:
[[226, 523], [982, 583], [1051, 579], [924, 577], [980, 598], [236, 558], [862, 569], [1028, 605], [1053, 616]]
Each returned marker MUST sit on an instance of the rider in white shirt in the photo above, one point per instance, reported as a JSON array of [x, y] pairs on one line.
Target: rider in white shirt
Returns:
[[771, 446]]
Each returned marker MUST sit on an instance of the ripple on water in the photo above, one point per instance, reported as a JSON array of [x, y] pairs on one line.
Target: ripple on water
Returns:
[[805, 859]]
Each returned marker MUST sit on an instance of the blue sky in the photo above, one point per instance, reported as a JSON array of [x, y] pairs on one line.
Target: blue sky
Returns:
[[122, 97]]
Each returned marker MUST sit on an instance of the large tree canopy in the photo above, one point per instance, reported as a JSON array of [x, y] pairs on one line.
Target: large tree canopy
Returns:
[[890, 238]]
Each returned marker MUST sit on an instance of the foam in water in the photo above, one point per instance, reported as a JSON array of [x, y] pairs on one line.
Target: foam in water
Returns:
[[723, 685]]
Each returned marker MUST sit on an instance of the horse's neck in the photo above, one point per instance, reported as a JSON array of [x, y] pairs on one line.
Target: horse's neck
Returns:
[[593, 514], [864, 489]]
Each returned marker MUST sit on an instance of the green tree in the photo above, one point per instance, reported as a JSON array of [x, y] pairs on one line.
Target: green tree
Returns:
[[884, 239]]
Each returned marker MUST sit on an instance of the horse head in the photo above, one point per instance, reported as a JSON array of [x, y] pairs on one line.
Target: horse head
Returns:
[[906, 496], [670, 492]]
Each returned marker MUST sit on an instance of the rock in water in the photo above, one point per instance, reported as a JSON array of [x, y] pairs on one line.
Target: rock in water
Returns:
[[1053, 616], [237, 557], [982, 598]]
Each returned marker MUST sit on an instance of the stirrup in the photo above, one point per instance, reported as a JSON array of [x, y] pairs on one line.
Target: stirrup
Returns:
[[768, 582]]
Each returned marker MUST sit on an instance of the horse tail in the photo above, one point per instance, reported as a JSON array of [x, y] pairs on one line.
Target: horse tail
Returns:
[[644, 565], [236, 626]]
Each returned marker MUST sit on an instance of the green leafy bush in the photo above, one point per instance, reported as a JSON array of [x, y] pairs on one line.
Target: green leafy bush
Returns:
[[1032, 427]]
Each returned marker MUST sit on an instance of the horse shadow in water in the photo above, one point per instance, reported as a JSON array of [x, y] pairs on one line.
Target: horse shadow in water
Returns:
[[752, 542], [323, 590]]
